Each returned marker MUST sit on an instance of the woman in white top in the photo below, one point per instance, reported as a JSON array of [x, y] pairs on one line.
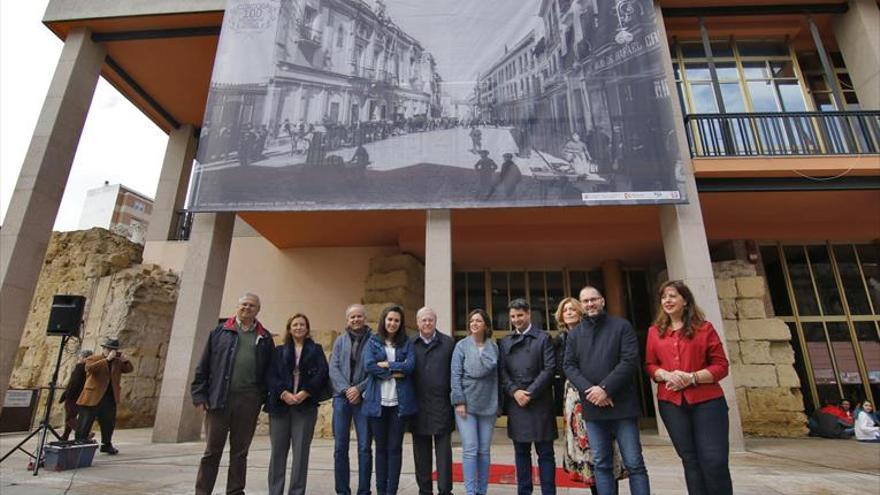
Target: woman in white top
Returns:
[[389, 398], [866, 428]]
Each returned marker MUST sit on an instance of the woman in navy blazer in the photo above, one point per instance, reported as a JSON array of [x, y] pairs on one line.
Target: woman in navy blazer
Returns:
[[389, 398], [297, 377]]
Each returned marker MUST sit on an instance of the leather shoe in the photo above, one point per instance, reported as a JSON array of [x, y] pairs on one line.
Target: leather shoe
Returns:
[[109, 449]]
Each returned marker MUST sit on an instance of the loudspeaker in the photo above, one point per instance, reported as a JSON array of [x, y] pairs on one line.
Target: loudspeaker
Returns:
[[66, 315]]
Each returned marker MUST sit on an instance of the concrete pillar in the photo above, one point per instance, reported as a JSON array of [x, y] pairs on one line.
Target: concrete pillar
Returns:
[[41, 182], [198, 309], [687, 250], [615, 289], [173, 183], [438, 267], [858, 37]]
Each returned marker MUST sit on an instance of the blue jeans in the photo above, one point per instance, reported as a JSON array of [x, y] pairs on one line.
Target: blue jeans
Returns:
[[699, 435], [476, 439], [546, 467], [388, 432], [343, 415], [626, 432]]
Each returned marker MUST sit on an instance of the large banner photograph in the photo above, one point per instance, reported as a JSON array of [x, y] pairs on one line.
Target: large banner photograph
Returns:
[[412, 104]]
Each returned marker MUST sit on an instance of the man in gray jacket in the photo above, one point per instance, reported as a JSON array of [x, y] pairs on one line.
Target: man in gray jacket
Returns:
[[348, 378]]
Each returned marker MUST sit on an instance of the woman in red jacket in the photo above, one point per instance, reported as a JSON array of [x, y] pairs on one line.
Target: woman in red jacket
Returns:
[[686, 358]]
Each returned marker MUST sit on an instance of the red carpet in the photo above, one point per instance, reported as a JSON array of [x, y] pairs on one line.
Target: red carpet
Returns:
[[505, 474]]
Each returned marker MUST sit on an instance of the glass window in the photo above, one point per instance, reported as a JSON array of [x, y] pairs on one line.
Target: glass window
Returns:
[[727, 71], [763, 99], [801, 282], [733, 98], [776, 281], [820, 358], [703, 97], [856, 297], [826, 285], [791, 96], [698, 72]]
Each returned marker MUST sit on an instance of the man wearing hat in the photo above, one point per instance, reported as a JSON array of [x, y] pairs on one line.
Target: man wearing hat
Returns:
[[101, 393], [485, 168]]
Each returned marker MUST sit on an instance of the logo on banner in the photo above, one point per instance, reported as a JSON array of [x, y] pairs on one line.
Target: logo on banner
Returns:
[[255, 16]]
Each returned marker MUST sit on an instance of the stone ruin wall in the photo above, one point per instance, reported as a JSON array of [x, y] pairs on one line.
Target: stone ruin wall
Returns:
[[392, 279], [760, 351], [125, 300]]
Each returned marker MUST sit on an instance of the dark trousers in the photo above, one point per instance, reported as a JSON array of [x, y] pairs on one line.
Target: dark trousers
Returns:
[[291, 431], [388, 432], [442, 447], [546, 467], [344, 414], [237, 420], [105, 413], [699, 435]]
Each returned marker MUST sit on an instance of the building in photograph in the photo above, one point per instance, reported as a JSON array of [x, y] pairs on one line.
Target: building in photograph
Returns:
[[119, 209], [332, 62], [777, 116]]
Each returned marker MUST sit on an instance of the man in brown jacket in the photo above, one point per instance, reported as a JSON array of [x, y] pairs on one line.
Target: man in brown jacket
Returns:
[[101, 393]]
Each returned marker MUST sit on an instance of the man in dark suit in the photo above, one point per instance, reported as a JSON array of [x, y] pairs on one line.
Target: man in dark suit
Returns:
[[601, 359], [527, 367], [432, 427]]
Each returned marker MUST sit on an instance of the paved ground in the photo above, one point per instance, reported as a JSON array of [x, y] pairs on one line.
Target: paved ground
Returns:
[[771, 467]]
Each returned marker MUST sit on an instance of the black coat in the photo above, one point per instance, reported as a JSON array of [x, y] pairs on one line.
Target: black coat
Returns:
[[527, 362], [74, 384], [213, 374], [433, 385], [604, 351], [314, 376]]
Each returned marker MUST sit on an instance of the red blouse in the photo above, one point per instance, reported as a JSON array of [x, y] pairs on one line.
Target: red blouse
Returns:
[[675, 352]]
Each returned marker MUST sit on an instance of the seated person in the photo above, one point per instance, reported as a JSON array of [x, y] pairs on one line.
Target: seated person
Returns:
[[830, 422], [866, 427]]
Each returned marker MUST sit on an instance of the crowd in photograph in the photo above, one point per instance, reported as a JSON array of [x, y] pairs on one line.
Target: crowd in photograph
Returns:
[[385, 382], [248, 143]]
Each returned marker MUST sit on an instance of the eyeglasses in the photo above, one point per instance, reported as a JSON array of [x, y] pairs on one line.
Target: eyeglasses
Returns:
[[591, 300]]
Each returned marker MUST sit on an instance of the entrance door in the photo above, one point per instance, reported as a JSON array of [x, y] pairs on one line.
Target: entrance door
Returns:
[[493, 290]]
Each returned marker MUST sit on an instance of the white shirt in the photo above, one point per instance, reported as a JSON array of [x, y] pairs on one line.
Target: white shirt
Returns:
[[865, 428], [389, 386]]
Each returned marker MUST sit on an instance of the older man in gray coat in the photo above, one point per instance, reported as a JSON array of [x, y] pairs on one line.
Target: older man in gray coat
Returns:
[[528, 363], [434, 423]]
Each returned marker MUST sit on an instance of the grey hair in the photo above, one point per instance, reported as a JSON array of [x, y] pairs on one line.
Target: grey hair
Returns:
[[85, 353], [425, 310], [353, 307], [251, 296]]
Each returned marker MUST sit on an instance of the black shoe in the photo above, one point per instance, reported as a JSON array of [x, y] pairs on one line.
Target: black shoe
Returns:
[[109, 449]]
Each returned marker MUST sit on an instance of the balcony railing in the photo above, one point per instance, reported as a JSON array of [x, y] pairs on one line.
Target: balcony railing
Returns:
[[783, 134], [182, 225], [307, 34]]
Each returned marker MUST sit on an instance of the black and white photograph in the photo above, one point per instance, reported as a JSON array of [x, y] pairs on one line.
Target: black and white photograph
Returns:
[[411, 104]]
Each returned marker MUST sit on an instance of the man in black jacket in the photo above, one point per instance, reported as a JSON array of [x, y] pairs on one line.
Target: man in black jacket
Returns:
[[230, 386], [432, 426], [527, 364], [601, 359]]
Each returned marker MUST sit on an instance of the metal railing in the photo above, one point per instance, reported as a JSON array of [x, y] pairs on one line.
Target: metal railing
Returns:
[[182, 225], [783, 134], [308, 34]]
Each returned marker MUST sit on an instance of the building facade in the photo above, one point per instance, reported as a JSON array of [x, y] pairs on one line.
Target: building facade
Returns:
[[777, 109], [334, 62], [119, 209]]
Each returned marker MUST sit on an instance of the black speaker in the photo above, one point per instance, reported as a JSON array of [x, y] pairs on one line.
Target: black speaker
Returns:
[[66, 315]]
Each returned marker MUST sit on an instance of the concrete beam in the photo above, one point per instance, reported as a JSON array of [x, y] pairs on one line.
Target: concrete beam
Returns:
[[65, 10], [198, 309], [858, 37], [687, 250], [438, 267], [173, 183], [41, 182]]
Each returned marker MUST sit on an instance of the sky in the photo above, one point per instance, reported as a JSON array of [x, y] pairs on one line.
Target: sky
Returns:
[[119, 144], [465, 35]]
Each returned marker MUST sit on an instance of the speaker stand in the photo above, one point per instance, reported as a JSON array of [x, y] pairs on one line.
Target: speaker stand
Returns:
[[45, 428]]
